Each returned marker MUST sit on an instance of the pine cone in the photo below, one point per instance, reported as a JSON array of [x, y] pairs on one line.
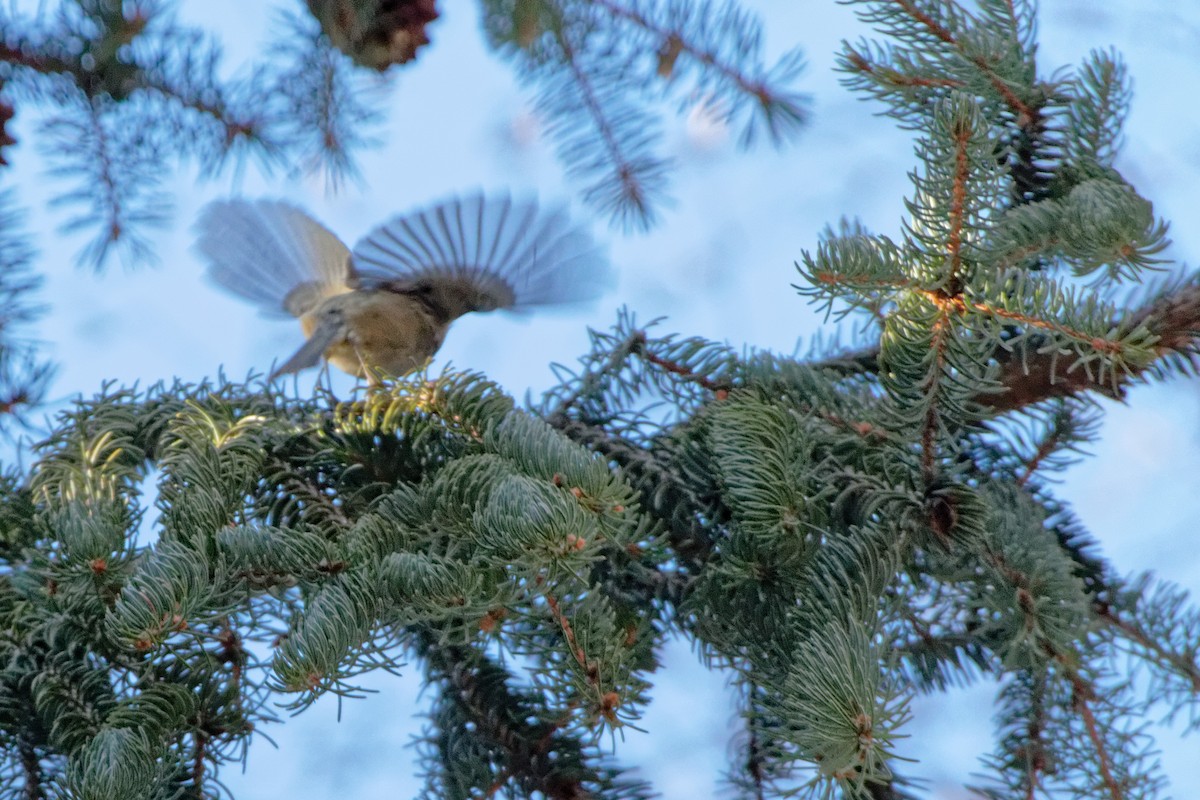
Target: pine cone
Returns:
[[376, 33]]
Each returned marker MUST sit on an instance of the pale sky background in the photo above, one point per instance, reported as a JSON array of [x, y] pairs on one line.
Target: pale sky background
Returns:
[[719, 266]]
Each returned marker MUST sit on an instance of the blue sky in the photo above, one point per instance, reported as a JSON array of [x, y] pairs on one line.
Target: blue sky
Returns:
[[720, 266]]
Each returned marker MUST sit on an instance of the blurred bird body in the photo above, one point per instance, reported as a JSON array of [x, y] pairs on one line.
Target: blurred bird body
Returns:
[[380, 329], [386, 306]]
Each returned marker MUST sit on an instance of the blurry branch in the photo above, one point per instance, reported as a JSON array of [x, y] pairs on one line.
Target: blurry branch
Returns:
[[603, 66], [121, 95], [137, 92], [688, 33], [127, 93], [24, 377]]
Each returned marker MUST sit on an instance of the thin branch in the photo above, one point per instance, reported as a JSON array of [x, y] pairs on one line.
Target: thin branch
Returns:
[[1028, 376], [589, 669], [526, 744], [999, 84], [1131, 631], [32, 768], [929, 425], [675, 40], [1082, 695], [633, 193]]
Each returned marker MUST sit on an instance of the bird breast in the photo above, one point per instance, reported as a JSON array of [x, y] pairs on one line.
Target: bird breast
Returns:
[[377, 329]]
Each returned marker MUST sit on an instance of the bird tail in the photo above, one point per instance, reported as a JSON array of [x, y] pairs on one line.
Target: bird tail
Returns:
[[488, 253], [266, 250]]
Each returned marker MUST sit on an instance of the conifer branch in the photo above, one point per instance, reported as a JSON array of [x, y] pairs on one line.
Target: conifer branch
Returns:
[[199, 764], [841, 533], [783, 113], [922, 27], [683, 371], [1179, 663], [998, 83], [754, 757], [581, 659], [1046, 446], [1082, 697], [476, 687], [630, 199], [1029, 376], [32, 772], [931, 421], [660, 488], [1035, 749]]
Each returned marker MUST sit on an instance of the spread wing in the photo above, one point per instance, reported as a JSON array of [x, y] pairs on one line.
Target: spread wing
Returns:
[[272, 253], [480, 254]]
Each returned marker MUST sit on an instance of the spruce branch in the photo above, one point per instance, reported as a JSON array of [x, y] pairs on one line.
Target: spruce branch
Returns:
[[1030, 372], [24, 375], [118, 181], [480, 704], [937, 50], [125, 93], [627, 177], [716, 41], [839, 533], [604, 67], [6, 115], [1172, 319]]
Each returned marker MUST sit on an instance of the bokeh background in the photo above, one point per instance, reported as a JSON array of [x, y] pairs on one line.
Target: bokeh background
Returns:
[[719, 265]]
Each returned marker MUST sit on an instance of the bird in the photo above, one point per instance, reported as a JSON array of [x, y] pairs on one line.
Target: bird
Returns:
[[385, 306]]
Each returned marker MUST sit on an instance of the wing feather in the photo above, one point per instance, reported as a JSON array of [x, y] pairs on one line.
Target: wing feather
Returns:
[[264, 250], [480, 254]]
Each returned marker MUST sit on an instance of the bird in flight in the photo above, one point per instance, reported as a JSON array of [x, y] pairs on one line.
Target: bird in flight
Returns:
[[385, 307]]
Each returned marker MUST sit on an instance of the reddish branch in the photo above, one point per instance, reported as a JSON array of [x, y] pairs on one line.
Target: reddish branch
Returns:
[[1027, 376], [526, 745], [999, 84], [581, 659], [19, 398], [631, 187], [683, 372], [35, 61], [672, 43], [1178, 662], [947, 300], [1083, 695], [929, 426], [31, 766], [1046, 447], [199, 757], [1035, 755], [958, 203]]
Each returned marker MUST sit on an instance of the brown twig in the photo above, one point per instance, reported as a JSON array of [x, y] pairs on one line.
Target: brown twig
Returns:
[[1027, 376], [588, 668], [1082, 695], [999, 84], [1139, 637]]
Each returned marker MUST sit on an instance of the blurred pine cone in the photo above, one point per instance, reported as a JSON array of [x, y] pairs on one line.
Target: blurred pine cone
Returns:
[[376, 33]]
